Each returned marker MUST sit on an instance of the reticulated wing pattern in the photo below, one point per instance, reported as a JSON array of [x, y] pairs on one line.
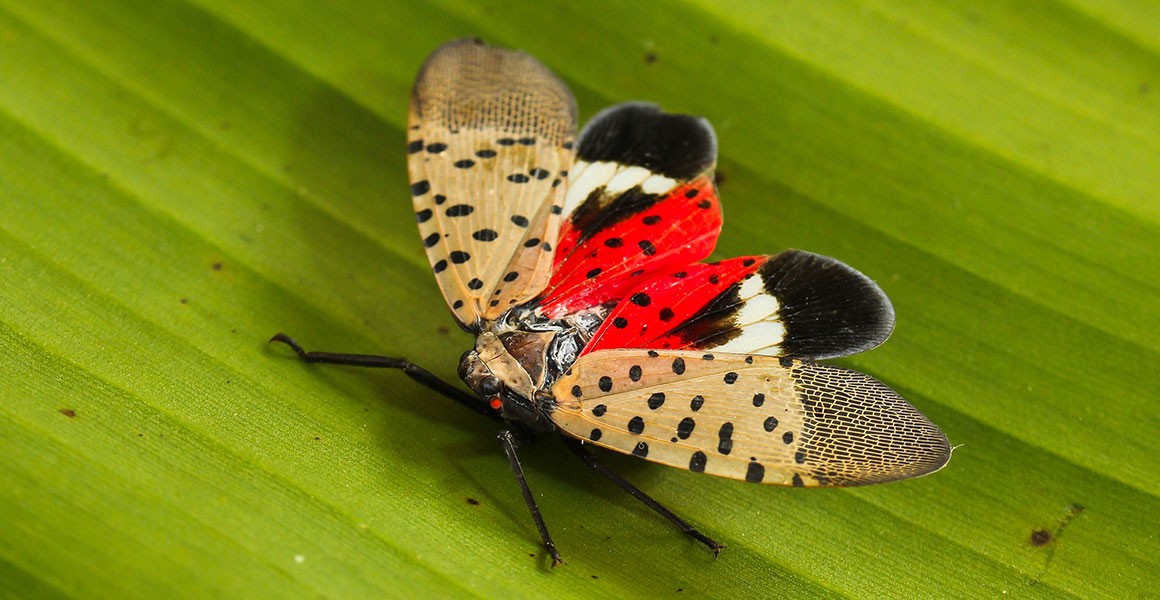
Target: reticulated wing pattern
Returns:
[[753, 418], [489, 147], [793, 304], [640, 200]]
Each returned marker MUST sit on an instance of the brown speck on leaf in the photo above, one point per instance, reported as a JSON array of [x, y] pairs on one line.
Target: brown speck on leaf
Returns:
[[184, 300], [719, 177], [650, 58], [594, 577], [68, 412], [1040, 537], [443, 330], [317, 439], [217, 266], [473, 501]]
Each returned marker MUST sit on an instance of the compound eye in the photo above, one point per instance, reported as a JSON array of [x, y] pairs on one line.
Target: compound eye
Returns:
[[490, 386]]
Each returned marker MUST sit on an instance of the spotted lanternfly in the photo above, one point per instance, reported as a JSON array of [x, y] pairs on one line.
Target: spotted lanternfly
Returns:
[[576, 264]]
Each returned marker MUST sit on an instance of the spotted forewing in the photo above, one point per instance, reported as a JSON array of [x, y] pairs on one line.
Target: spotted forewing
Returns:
[[489, 147], [764, 420]]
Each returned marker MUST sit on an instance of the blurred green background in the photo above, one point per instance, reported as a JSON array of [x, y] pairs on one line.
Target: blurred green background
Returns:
[[181, 179]]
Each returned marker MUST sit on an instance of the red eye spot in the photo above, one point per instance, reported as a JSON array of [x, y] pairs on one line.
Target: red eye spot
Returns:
[[495, 403]]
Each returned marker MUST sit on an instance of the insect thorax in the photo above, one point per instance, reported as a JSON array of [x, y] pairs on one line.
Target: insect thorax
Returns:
[[519, 357]]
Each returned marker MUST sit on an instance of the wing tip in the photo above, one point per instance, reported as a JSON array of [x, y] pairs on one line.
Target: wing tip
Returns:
[[492, 71], [890, 440], [675, 145], [830, 309]]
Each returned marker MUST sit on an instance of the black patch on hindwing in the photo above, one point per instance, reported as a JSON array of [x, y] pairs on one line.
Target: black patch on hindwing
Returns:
[[596, 213], [828, 308], [712, 325], [636, 133]]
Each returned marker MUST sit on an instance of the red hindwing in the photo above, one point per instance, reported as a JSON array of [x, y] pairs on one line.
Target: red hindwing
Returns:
[[686, 308], [794, 304], [602, 254]]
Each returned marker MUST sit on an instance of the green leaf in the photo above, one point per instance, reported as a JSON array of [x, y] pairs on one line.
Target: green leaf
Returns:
[[180, 180]]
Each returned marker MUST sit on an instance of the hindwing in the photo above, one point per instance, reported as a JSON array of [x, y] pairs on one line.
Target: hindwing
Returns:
[[793, 304], [640, 200]]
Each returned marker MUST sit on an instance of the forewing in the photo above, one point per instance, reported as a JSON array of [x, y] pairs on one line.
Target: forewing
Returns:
[[754, 418], [640, 200], [794, 304], [489, 147]]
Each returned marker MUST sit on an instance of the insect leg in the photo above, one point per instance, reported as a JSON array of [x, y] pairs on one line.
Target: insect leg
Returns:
[[586, 457], [508, 442], [412, 370]]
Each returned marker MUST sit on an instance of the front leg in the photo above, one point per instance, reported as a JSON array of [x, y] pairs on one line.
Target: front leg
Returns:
[[410, 369], [507, 440]]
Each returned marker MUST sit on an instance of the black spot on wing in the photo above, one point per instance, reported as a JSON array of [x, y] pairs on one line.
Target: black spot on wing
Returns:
[[636, 133], [725, 438], [697, 462], [755, 472]]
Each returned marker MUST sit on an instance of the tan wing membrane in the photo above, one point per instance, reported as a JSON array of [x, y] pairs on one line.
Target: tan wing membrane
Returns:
[[754, 418], [489, 148]]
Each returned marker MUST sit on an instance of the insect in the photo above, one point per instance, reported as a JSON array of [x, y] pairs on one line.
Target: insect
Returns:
[[576, 263]]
